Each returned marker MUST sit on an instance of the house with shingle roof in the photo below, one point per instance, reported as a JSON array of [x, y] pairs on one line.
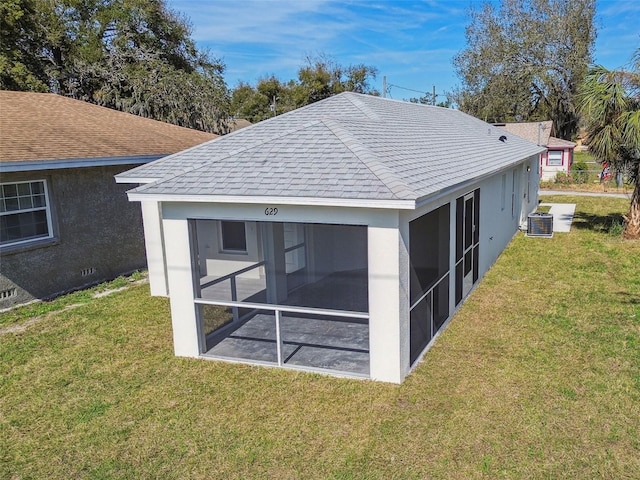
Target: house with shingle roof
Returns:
[[558, 155], [340, 237], [64, 221]]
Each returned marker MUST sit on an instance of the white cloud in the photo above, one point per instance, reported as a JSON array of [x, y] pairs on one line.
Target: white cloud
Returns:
[[409, 40]]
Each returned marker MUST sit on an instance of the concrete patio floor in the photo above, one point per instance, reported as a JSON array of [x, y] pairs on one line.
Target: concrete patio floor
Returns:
[[310, 341], [339, 345], [562, 215]]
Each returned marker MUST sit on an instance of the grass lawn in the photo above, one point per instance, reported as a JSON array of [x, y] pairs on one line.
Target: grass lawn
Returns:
[[537, 376], [593, 186]]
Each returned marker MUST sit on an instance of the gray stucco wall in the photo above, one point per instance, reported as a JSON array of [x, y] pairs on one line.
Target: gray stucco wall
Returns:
[[95, 227]]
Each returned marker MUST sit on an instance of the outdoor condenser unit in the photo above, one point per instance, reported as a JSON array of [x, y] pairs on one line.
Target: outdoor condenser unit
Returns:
[[540, 225]]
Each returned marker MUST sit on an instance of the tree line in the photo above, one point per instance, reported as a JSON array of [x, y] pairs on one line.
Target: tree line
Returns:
[[138, 56], [525, 60]]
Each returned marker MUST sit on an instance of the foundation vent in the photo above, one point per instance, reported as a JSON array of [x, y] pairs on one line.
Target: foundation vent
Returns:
[[88, 271], [10, 292]]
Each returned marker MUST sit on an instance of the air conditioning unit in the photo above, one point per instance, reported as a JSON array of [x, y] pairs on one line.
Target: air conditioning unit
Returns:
[[540, 225]]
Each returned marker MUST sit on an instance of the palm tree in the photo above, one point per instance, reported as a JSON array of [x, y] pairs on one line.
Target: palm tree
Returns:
[[610, 104]]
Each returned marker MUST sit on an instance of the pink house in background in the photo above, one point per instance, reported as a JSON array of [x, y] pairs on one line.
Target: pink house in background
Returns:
[[559, 154]]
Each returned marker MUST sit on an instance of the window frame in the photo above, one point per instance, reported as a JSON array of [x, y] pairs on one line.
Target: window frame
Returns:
[[228, 250], [46, 208], [554, 162]]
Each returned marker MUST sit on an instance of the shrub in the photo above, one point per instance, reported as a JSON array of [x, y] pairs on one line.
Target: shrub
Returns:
[[563, 178], [579, 172]]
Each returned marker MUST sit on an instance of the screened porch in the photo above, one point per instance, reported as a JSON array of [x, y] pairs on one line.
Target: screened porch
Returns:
[[287, 294]]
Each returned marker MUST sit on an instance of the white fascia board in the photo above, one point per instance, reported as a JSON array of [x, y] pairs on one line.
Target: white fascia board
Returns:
[[139, 180], [306, 201], [32, 165]]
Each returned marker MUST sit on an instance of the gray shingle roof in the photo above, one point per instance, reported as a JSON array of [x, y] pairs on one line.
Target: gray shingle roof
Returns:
[[349, 146]]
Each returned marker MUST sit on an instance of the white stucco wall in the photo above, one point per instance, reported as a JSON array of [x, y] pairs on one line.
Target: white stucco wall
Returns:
[[213, 261], [187, 338], [499, 219], [387, 253], [155, 248], [388, 342]]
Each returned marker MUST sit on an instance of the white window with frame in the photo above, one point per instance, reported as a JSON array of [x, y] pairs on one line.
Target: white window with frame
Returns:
[[554, 158], [25, 213], [233, 237]]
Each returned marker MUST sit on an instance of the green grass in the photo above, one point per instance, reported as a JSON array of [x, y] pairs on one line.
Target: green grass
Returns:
[[583, 156], [537, 376], [80, 297], [543, 208]]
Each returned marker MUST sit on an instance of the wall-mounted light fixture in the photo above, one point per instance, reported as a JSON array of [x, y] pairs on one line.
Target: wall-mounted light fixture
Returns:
[[528, 168]]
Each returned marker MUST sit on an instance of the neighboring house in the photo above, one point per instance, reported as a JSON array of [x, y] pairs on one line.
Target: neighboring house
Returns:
[[64, 222], [238, 124], [339, 237], [558, 156]]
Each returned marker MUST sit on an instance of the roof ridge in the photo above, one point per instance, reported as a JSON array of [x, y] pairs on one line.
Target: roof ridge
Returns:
[[388, 177], [357, 102]]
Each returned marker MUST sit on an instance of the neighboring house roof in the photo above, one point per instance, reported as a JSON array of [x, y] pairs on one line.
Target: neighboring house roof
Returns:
[[349, 146], [41, 127], [537, 132], [560, 143], [238, 123]]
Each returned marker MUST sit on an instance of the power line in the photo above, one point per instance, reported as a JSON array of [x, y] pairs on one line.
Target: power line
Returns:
[[405, 88]]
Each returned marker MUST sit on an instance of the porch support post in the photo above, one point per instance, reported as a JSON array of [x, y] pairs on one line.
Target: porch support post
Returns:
[[154, 246], [452, 255], [388, 330], [180, 272], [273, 238]]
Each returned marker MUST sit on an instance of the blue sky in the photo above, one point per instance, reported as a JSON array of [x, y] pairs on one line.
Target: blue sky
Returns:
[[411, 42]]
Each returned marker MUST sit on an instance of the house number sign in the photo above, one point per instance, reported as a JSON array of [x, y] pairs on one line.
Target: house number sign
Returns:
[[270, 211]]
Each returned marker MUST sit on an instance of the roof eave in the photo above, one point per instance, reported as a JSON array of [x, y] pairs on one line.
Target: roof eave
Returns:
[[433, 196], [55, 164]]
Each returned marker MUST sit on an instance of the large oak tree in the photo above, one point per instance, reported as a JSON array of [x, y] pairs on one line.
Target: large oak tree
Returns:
[[525, 60], [132, 55]]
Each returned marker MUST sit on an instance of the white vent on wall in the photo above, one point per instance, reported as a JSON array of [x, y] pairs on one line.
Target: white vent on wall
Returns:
[[540, 225], [10, 292], [88, 271]]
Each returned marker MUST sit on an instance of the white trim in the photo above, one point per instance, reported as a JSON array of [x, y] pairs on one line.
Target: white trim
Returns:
[[284, 308], [143, 180], [47, 209], [32, 165], [560, 159], [308, 201]]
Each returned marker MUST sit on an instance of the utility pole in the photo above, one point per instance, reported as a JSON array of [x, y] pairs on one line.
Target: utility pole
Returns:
[[433, 98], [384, 86], [272, 107]]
